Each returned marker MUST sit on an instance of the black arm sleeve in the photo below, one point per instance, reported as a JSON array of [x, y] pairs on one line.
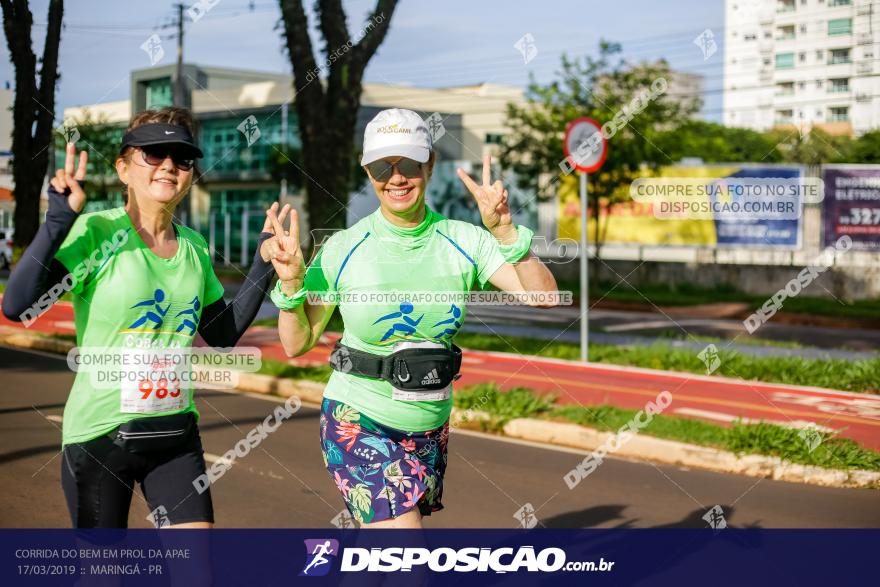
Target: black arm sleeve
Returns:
[[38, 269], [221, 325]]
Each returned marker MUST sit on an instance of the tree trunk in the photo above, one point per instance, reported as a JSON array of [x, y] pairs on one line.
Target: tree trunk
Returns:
[[26, 215], [33, 112], [327, 154], [327, 109]]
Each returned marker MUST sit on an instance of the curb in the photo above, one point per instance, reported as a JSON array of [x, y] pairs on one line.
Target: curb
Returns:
[[639, 447], [672, 452], [308, 391], [17, 337]]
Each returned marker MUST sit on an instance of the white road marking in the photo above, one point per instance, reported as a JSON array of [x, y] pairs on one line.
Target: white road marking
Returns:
[[647, 324], [867, 406], [212, 458], [721, 417]]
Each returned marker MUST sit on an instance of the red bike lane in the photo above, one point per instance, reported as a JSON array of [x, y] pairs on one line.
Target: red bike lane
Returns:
[[714, 399]]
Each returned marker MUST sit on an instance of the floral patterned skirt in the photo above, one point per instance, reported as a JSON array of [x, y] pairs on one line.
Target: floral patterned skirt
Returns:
[[382, 472]]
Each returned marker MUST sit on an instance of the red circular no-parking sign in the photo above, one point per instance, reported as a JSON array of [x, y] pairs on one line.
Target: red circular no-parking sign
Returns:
[[584, 145]]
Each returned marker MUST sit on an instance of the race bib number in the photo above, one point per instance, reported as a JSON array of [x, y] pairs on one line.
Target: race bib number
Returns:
[[422, 396], [154, 386]]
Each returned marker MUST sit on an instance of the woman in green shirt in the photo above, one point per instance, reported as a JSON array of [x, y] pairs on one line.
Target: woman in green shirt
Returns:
[[399, 277], [142, 286]]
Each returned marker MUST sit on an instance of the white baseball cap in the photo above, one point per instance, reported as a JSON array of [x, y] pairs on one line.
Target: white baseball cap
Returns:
[[396, 132]]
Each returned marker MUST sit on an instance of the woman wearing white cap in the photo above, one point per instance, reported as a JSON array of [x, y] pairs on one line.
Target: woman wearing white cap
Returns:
[[385, 414]]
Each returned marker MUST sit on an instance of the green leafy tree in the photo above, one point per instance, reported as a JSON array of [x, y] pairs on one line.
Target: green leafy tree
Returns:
[[604, 88], [101, 139], [716, 143], [866, 149], [811, 148]]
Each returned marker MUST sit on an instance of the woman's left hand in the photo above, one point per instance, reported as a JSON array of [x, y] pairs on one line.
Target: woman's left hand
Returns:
[[283, 248], [270, 246], [492, 201]]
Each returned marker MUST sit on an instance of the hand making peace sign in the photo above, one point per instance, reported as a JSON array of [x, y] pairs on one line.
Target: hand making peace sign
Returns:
[[68, 182], [491, 198], [283, 248]]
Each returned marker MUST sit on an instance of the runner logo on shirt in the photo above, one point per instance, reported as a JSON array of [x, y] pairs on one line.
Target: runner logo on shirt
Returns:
[[153, 314], [454, 320], [193, 321], [405, 323]]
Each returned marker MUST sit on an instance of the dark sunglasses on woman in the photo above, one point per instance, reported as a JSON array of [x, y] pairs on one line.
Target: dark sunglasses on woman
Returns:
[[155, 154], [382, 170]]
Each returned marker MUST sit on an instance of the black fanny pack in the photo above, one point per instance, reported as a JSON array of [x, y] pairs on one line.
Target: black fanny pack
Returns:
[[154, 433], [415, 369]]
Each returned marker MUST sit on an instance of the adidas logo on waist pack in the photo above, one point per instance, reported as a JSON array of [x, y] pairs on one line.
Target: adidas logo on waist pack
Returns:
[[431, 378]]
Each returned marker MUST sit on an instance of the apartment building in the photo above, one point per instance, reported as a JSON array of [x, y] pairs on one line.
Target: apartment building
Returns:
[[802, 63]]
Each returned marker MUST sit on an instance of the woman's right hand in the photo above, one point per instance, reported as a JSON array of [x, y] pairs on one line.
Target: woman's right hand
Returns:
[[287, 257], [66, 181]]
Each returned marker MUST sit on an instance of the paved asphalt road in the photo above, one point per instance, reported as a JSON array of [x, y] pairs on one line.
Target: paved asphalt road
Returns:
[[283, 482]]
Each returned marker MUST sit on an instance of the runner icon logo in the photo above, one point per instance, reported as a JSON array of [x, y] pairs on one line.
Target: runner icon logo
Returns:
[[431, 378], [319, 554]]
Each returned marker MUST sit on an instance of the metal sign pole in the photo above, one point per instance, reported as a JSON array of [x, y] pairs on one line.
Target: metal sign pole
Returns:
[[585, 297], [579, 133]]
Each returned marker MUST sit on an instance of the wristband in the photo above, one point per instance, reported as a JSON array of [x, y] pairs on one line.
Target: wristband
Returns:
[[519, 248], [283, 301]]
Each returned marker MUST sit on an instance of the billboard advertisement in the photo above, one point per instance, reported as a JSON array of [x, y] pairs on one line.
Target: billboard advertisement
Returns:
[[640, 221], [852, 205]]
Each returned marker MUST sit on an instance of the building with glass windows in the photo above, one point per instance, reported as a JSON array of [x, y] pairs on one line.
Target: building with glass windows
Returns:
[[248, 125], [7, 204], [802, 63]]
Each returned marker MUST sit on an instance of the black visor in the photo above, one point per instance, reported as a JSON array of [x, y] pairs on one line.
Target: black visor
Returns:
[[158, 133]]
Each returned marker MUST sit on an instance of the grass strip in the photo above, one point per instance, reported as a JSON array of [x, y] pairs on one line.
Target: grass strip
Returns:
[[847, 375], [275, 368], [833, 452]]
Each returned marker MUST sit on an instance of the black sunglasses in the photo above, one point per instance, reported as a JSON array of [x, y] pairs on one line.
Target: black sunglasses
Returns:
[[155, 154], [382, 170]]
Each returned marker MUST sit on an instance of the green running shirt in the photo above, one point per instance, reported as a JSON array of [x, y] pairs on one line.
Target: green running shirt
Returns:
[[131, 300], [438, 255]]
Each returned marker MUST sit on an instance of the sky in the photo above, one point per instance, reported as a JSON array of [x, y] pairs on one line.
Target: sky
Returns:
[[429, 44]]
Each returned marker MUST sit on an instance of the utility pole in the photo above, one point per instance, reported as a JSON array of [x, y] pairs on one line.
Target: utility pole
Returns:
[[178, 85], [186, 205], [284, 143]]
